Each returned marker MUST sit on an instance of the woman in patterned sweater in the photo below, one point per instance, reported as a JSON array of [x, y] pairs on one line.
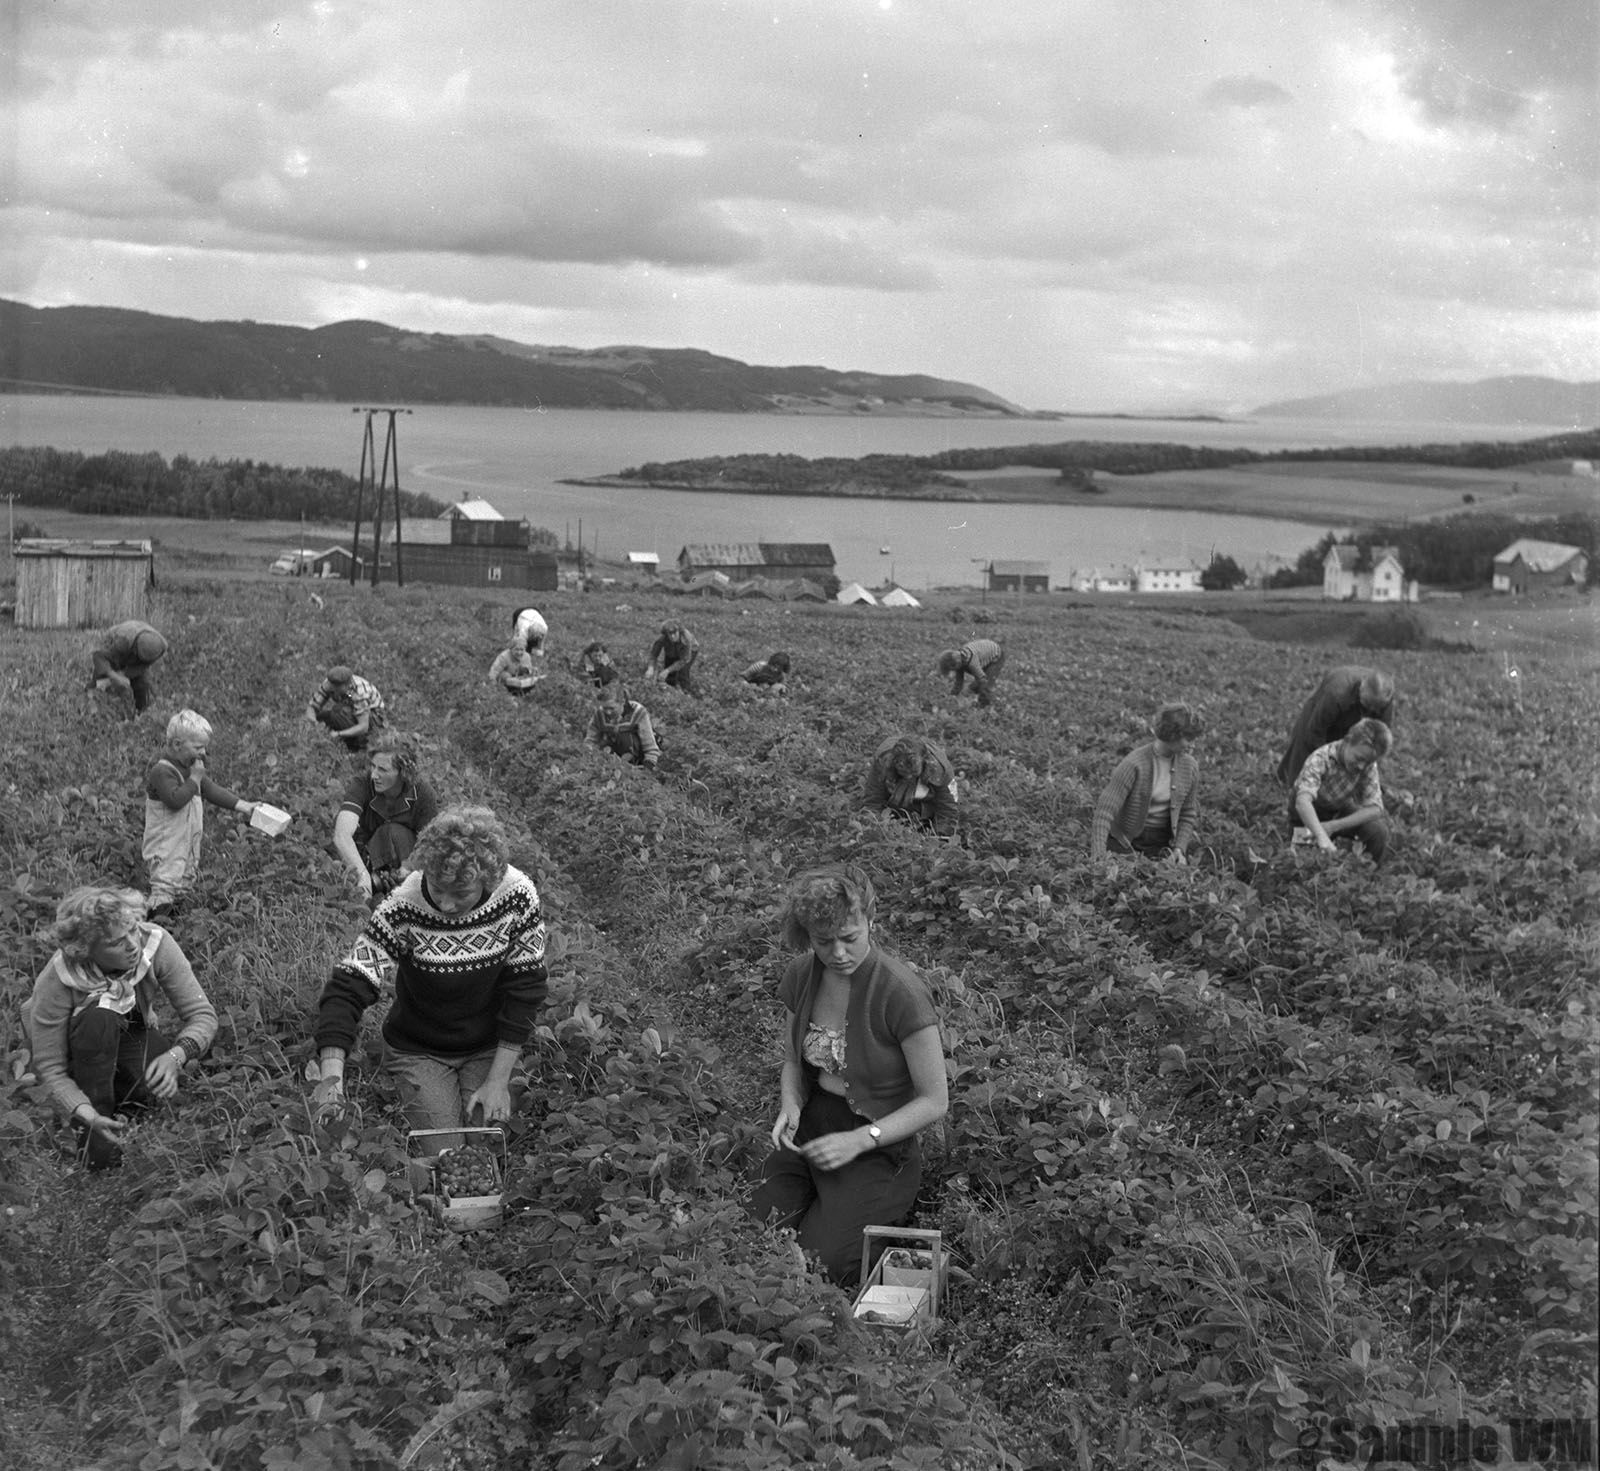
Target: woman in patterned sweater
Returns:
[[458, 951]]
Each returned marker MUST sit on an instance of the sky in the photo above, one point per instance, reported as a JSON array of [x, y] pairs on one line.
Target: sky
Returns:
[[1090, 205]]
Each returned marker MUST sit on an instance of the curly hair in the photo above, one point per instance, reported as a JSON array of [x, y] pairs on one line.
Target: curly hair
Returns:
[[907, 755], [821, 900], [392, 743], [188, 725], [1177, 721], [1372, 733], [462, 845], [92, 914], [949, 661]]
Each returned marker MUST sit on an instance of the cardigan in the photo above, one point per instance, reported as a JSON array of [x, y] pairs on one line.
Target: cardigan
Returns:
[[459, 983], [59, 994], [1125, 802], [888, 1003]]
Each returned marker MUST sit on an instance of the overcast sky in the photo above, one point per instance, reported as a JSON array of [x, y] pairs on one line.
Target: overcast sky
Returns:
[[1082, 204]]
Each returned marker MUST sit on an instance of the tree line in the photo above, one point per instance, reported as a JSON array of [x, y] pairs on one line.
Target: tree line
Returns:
[[120, 482]]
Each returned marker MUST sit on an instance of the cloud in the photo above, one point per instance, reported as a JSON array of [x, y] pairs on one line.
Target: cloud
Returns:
[[1126, 199], [1245, 92]]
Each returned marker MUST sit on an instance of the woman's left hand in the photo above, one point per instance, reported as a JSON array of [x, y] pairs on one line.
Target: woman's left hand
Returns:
[[833, 1151], [495, 1101], [161, 1074]]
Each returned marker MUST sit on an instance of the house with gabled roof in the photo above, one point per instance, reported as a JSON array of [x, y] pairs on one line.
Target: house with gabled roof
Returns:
[[1536, 566], [1383, 580], [1016, 576], [741, 560]]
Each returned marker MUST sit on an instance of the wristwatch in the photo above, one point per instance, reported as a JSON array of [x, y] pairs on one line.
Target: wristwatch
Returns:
[[876, 1133]]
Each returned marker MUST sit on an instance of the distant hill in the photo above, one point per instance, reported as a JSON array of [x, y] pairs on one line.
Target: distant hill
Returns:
[[1539, 401], [106, 349]]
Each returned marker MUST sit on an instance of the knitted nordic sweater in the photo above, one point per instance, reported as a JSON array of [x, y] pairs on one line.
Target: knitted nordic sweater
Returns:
[[459, 983]]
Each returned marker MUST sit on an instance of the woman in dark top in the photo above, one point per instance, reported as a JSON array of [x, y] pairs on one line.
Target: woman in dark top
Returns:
[[381, 814], [863, 1075]]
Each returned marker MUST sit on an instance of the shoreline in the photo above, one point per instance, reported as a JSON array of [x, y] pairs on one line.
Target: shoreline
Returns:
[[1124, 498]]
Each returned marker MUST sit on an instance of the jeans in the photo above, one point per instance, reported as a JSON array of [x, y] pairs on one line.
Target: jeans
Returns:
[[829, 1208], [434, 1090]]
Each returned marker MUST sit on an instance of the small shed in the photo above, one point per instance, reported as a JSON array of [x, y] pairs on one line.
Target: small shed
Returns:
[[648, 563], [1019, 577], [335, 562], [1531, 566], [82, 584]]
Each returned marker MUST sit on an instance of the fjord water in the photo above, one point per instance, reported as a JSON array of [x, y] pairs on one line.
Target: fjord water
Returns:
[[517, 458]]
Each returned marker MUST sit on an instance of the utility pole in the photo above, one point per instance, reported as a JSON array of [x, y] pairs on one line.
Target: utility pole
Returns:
[[380, 483]]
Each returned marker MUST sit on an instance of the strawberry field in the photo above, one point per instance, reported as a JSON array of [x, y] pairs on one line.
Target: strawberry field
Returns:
[[1242, 1157]]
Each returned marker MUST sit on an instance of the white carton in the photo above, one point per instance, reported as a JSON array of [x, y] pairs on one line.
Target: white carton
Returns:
[[271, 820]]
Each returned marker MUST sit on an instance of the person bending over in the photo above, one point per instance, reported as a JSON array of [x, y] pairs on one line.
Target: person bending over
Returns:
[[1347, 693], [980, 660], [381, 815], [912, 777]]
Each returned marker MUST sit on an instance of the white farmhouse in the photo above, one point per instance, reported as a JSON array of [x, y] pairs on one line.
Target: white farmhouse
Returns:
[[1383, 582], [1176, 577]]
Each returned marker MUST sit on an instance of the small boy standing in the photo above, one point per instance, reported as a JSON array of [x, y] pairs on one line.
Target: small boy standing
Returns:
[[175, 788]]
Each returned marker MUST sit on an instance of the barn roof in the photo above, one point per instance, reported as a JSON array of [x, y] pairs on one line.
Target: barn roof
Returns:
[[1020, 569], [1539, 556], [758, 553], [475, 509], [46, 546]]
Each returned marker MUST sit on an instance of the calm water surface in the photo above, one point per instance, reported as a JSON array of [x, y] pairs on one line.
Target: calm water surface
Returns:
[[518, 459]]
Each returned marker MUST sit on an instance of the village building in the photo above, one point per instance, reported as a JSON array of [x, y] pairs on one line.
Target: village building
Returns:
[[854, 593], [1382, 581], [81, 584], [740, 560], [1019, 576], [648, 563], [469, 544], [1114, 580], [1539, 566], [1172, 577]]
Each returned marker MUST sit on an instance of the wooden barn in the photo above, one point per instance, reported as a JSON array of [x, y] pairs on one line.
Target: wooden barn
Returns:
[[1538, 566], [1019, 576], [477, 566], [741, 560], [82, 584]]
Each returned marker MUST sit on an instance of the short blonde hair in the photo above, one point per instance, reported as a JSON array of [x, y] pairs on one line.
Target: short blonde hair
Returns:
[[91, 914], [462, 845], [822, 899], [188, 725]]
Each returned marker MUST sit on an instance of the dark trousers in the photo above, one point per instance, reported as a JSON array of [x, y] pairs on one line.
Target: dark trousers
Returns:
[[1373, 835], [682, 679], [829, 1208], [1151, 842], [106, 1057]]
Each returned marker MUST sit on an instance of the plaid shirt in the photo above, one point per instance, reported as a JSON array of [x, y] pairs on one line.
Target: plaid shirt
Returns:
[[1330, 783], [360, 694]]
